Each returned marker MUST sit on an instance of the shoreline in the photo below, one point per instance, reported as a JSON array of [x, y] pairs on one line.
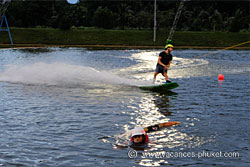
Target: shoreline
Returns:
[[29, 46], [121, 39]]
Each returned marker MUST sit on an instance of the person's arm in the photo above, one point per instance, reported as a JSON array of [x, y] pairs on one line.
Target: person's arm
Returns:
[[167, 66], [158, 126], [169, 63]]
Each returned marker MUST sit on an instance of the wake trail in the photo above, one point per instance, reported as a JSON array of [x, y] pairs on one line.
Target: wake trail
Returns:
[[62, 74]]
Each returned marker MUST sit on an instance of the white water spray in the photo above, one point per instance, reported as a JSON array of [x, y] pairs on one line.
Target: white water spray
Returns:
[[62, 74]]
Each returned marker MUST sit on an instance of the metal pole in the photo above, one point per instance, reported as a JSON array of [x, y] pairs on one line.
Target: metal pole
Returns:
[[8, 29], [3, 8], [154, 22]]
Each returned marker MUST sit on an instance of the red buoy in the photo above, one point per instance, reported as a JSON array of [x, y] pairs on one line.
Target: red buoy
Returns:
[[220, 77]]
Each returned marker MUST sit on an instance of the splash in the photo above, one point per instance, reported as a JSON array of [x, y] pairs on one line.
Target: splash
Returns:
[[62, 74]]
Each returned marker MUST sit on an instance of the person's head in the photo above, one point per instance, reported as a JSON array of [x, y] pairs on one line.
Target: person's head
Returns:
[[138, 135], [138, 138], [169, 47]]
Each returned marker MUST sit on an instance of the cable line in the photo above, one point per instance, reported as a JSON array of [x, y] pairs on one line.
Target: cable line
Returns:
[[3, 7], [230, 47], [176, 19]]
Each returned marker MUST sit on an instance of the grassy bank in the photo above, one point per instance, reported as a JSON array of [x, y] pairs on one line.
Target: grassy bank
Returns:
[[140, 38]]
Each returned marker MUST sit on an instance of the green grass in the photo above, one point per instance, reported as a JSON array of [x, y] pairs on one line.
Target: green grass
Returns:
[[92, 36]]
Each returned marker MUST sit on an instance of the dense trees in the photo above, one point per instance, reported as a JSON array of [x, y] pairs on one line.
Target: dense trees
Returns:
[[197, 16]]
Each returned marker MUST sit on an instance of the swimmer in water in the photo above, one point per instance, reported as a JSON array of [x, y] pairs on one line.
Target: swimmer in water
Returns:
[[139, 134], [139, 137]]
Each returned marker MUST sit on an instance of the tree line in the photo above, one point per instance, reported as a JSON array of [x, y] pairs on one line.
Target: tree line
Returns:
[[232, 16]]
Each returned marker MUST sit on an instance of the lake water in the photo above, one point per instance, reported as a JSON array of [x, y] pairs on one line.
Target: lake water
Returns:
[[69, 107]]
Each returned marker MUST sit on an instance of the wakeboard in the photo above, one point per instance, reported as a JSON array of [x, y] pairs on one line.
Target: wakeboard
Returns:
[[161, 87]]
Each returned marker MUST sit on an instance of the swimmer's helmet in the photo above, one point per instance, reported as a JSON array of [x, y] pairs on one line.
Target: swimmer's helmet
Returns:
[[139, 131]]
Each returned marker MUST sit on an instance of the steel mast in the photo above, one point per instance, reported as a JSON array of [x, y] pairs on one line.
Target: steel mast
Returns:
[[3, 7]]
